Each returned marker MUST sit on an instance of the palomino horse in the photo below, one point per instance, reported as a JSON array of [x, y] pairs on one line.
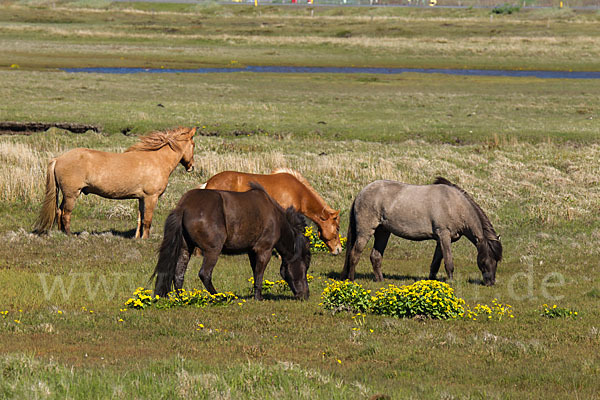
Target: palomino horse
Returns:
[[141, 172], [218, 222], [442, 212], [290, 189]]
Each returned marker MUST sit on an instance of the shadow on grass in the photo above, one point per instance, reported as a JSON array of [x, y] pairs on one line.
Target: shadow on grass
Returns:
[[369, 276], [128, 234], [476, 281], [268, 296]]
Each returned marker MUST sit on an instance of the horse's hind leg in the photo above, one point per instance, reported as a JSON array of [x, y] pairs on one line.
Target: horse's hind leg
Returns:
[[182, 264], [382, 236], [436, 262], [66, 208], [59, 215], [138, 230], [205, 274]]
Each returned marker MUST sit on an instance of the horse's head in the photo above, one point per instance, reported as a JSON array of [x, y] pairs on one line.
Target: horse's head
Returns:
[[186, 141], [488, 255], [294, 269], [329, 230]]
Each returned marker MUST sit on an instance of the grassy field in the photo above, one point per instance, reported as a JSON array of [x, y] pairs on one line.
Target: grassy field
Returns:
[[527, 150]]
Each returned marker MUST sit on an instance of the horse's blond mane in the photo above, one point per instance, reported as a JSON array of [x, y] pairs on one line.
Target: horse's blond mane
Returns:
[[158, 139], [303, 181]]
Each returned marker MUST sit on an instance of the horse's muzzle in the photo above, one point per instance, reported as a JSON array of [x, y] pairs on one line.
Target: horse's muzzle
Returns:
[[302, 296], [489, 281]]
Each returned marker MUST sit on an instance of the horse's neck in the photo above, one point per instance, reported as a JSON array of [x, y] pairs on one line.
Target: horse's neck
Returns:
[[168, 158], [475, 231], [312, 205]]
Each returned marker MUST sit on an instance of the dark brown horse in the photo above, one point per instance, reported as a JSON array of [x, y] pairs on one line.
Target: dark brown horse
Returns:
[[290, 189], [443, 212], [216, 222]]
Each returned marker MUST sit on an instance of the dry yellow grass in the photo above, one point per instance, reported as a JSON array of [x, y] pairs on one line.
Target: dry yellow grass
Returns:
[[561, 47], [552, 182]]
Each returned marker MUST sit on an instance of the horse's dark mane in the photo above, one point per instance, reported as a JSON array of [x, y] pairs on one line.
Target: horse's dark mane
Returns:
[[489, 233], [258, 186], [294, 219]]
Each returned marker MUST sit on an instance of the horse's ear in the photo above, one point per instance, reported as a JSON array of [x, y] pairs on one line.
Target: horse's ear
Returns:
[[325, 215], [192, 131]]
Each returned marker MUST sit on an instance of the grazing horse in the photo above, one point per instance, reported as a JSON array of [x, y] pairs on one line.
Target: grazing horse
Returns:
[[290, 189], [216, 222], [141, 172], [442, 212]]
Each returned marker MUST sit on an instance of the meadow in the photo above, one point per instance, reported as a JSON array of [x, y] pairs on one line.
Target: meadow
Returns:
[[526, 149]]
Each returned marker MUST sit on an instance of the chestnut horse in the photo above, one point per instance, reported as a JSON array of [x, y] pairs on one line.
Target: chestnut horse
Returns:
[[290, 189], [141, 172], [218, 222], [443, 212]]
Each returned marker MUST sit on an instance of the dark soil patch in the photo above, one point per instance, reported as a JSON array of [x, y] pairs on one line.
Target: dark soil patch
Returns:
[[27, 128]]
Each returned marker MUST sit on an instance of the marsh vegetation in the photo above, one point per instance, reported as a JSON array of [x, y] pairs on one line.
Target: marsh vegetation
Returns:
[[526, 149]]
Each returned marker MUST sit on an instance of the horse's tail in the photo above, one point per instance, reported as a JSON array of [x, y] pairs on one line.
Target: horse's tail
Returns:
[[490, 245], [168, 255], [351, 239], [50, 205]]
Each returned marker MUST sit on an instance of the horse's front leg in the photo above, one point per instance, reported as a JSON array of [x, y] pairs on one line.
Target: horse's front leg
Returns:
[[436, 262], [149, 205], [444, 241], [258, 262], [382, 236], [353, 252]]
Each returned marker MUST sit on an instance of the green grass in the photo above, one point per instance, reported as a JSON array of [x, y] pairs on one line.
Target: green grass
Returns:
[[539, 199], [435, 108], [178, 378], [122, 34], [527, 150]]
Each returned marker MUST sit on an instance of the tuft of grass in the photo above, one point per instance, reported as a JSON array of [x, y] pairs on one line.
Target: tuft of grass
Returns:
[[506, 8], [28, 377]]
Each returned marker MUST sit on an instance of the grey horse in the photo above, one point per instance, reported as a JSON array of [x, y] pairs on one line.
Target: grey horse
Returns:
[[442, 211]]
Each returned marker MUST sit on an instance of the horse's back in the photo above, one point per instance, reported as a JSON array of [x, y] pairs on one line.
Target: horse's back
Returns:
[[253, 208], [241, 218], [284, 188], [225, 180], [73, 167], [413, 211], [107, 174]]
